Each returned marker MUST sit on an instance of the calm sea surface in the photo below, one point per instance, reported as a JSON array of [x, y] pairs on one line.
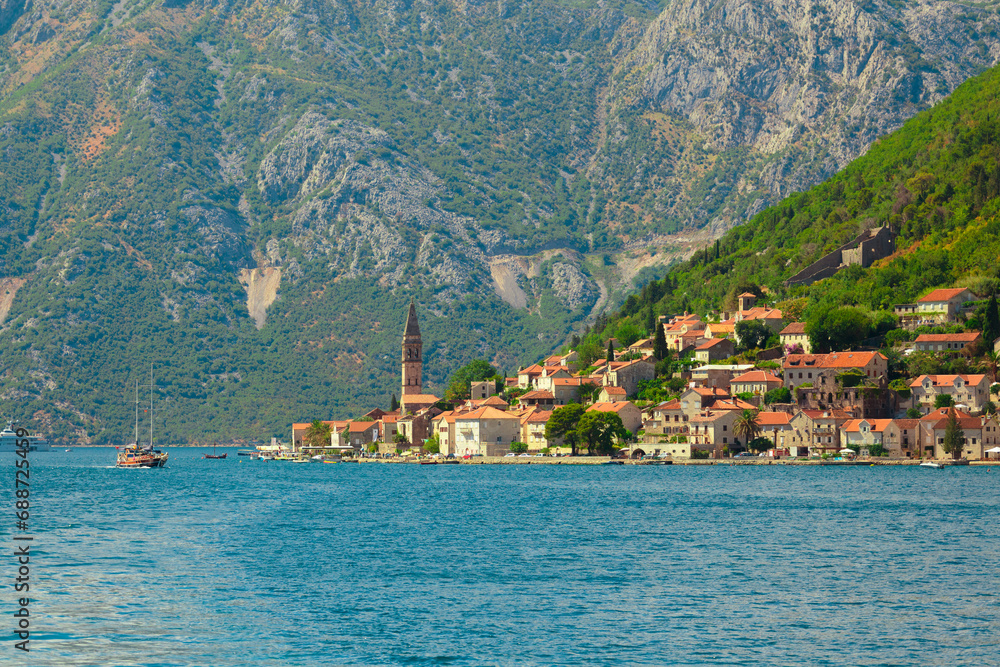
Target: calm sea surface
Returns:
[[240, 563]]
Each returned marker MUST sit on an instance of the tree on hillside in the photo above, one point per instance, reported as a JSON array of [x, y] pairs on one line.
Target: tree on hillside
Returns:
[[991, 322], [752, 334], [460, 384], [563, 423], [954, 436], [990, 364], [660, 350], [394, 404], [600, 430], [318, 434], [650, 322], [778, 395], [837, 329], [611, 352]]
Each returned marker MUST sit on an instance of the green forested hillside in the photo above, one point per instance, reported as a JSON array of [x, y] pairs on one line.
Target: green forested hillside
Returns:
[[936, 181], [513, 166]]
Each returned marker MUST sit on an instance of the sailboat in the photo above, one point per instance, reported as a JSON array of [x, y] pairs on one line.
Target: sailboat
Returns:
[[213, 455], [135, 455]]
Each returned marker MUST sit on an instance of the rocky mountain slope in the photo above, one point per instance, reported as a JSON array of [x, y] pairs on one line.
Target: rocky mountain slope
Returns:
[[247, 193]]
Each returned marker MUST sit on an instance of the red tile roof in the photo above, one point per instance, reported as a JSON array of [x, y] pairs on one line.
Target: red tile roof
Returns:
[[755, 376], [835, 360], [486, 412], [942, 413], [970, 337], [614, 406], [877, 425], [537, 394], [941, 295], [795, 328], [947, 380], [773, 418], [710, 343]]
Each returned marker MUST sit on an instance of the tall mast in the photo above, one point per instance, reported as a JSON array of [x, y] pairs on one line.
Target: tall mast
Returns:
[[136, 441]]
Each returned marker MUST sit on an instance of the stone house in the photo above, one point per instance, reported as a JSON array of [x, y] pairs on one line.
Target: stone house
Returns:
[[643, 347], [665, 421], [537, 397], [773, 423], [858, 434], [805, 368], [816, 430], [955, 342], [934, 425], [486, 431], [971, 391], [725, 329], [628, 374], [610, 394], [532, 377], [713, 430], [714, 349], [482, 390], [795, 334], [941, 305], [630, 415], [718, 375], [565, 390], [696, 399], [754, 382], [902, 438], [533, 430], [443, 426]]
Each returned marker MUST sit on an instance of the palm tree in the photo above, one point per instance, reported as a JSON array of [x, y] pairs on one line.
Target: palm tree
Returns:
[[318, 434], [747, 426]]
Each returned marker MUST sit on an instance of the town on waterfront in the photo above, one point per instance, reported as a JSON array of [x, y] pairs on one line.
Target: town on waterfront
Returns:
[[743, 384]]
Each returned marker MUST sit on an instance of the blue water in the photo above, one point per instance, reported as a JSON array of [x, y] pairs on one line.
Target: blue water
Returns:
[[241, 563]]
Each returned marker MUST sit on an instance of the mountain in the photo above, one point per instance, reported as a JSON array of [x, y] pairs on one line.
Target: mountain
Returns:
[[935, 181], [246, 194]]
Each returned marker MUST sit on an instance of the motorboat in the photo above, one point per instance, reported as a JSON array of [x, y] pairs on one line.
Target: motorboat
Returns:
[[9, 440]]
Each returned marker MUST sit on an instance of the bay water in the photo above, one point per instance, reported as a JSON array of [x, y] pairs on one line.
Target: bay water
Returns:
[[236, 562]]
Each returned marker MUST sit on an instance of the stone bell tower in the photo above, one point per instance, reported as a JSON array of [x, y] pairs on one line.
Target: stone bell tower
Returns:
[[413, 364]]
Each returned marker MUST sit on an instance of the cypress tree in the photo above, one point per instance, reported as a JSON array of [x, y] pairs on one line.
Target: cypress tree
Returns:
[[954, 436], [650, 321], [611, 351], [394, 404], [660, 344], [991, 322]]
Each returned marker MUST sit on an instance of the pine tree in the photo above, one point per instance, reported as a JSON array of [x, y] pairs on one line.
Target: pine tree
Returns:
[[717, 248]]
